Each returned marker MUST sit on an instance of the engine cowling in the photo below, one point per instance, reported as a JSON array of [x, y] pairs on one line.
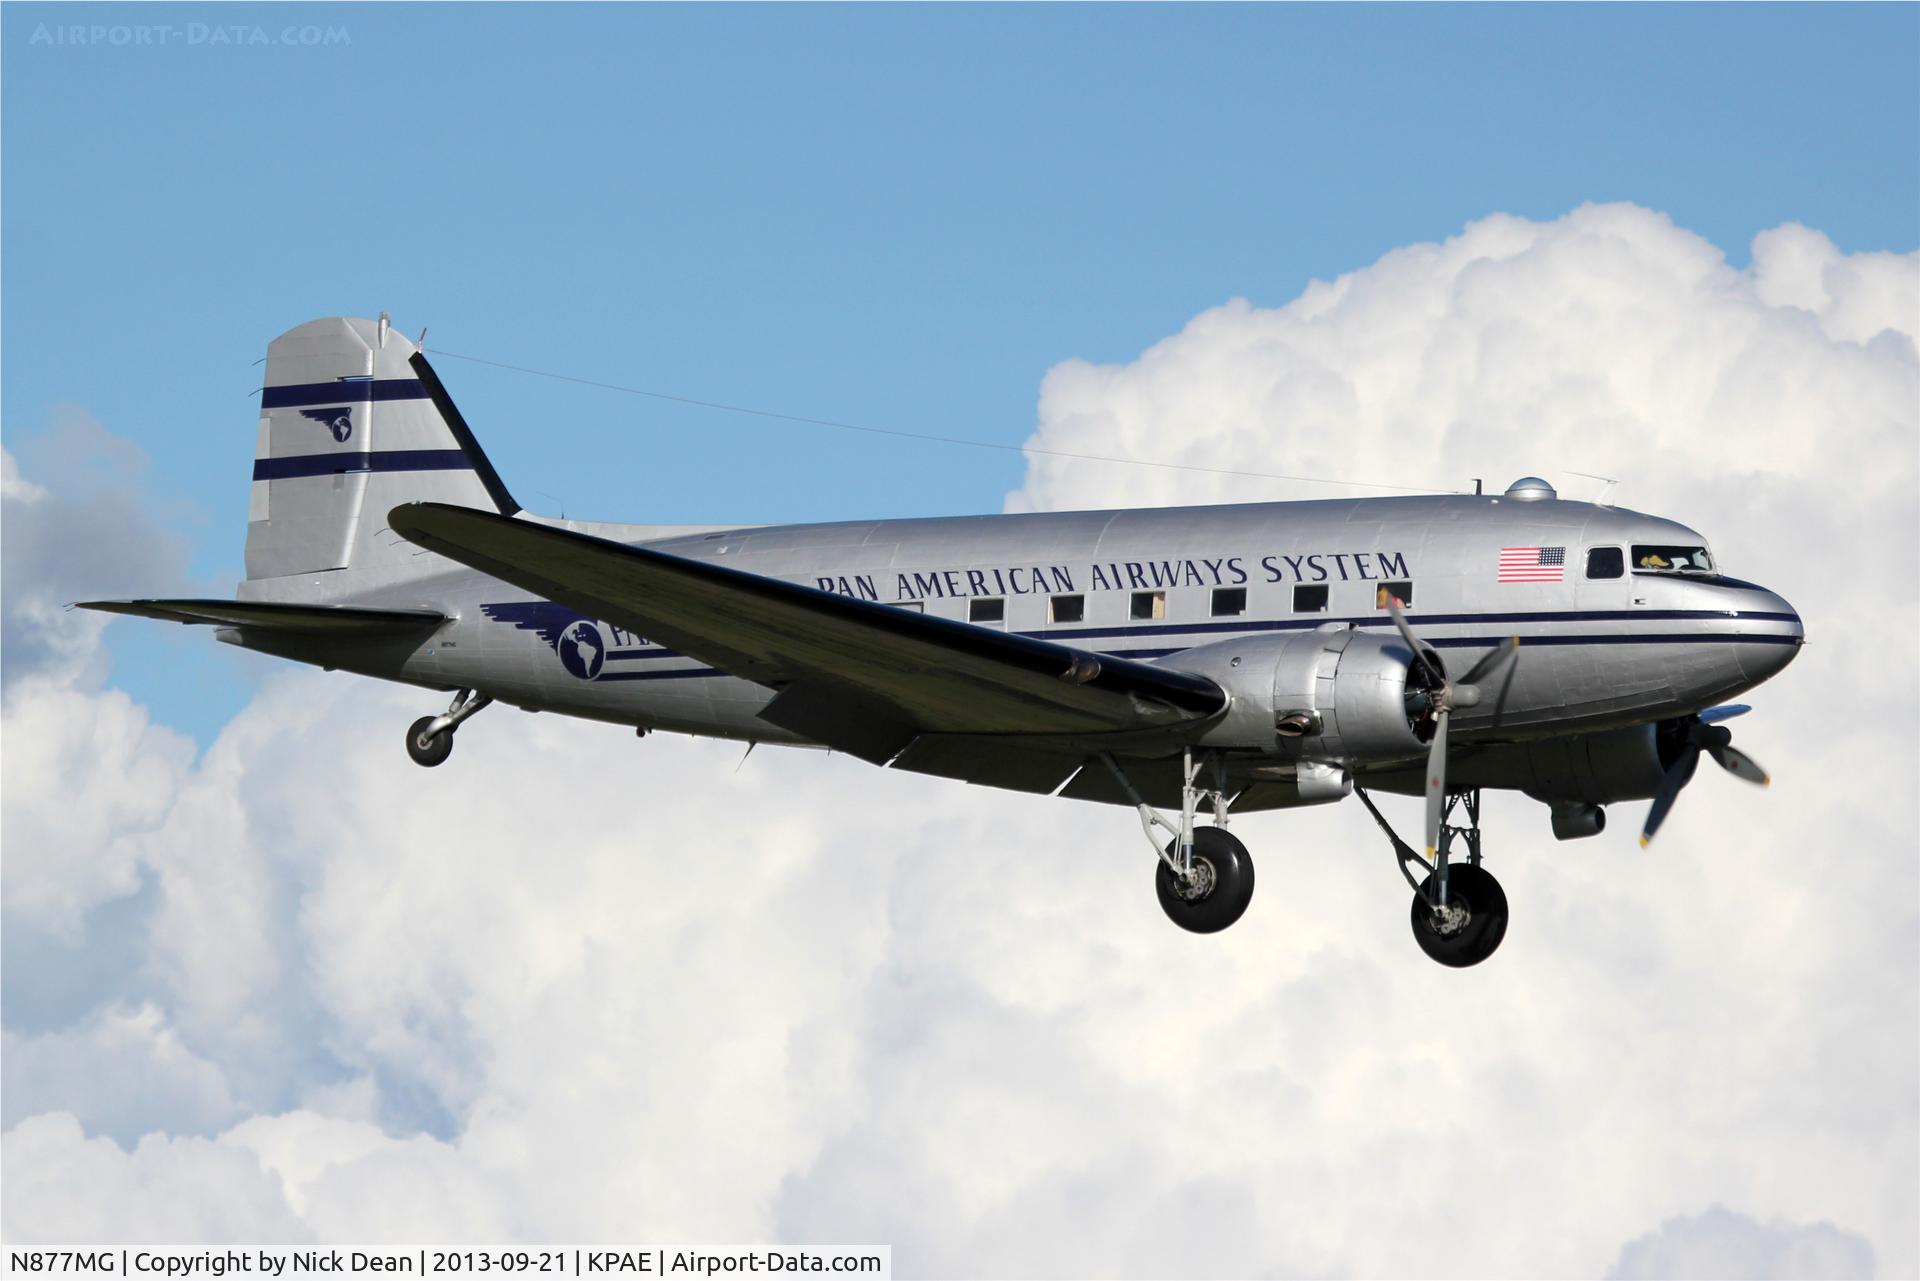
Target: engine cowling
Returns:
[[1333, 695], [1594, 769]]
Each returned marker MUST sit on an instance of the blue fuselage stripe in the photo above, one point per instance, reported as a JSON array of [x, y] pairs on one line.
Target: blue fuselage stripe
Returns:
[[1459, 642], [528, 614], [382, 460], [349, 391], [1428, 620], [1241, 625]]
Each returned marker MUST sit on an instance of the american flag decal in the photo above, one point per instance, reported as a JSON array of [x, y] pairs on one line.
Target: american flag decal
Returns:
[[1532, 564]]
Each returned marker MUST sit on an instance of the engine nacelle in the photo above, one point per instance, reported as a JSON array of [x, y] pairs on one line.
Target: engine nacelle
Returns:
[[1332, 695], [1574, 773], [1592, 769]]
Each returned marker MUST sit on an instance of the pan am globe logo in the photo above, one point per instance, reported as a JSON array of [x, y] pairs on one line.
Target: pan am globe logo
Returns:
[[583, 645], [582, 650], [338, 421]]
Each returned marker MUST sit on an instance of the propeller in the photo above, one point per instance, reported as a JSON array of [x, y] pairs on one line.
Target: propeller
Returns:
[[1701, 733], [1447, 695]]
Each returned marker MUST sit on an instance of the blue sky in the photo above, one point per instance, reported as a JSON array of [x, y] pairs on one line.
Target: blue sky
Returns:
[[887, 215]]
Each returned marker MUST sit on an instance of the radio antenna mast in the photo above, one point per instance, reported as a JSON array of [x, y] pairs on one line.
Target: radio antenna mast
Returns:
[[1599, 499]]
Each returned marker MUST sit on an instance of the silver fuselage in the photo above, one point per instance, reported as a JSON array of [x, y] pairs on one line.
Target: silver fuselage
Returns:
[[1599, 653]]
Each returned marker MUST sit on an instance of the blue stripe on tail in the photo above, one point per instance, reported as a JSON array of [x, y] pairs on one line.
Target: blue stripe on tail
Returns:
[[381, 460]]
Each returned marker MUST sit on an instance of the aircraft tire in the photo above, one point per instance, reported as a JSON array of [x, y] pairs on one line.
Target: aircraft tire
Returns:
[[1486, 904], [436, 750], [1225, 900]]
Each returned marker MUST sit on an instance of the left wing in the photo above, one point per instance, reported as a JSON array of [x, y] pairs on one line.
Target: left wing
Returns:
[[859, 676]]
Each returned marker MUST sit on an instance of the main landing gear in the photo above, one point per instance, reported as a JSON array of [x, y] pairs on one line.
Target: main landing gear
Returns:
[[430, 739], [1459, 910], [1205, 875]]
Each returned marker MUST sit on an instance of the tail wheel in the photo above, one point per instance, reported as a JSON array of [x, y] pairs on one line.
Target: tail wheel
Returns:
[[1220, 888], [427, 750], [1470, 927]]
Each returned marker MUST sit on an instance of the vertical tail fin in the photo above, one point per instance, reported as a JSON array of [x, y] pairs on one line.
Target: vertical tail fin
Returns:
[[353, 422]]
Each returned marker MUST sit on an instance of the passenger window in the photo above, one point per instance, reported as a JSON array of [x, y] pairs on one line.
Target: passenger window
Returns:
[[1605, 562], [1067, 609], [1147, 605], [918, 607], [1229, 602], [1309, 598], [988, 609], [1402, 592]]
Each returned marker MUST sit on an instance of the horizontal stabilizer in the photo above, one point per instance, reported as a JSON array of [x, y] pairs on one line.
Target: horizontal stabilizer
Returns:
[[308, 620]]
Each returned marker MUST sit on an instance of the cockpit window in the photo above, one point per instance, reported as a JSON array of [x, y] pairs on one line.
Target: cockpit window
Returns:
[[1651, 558]]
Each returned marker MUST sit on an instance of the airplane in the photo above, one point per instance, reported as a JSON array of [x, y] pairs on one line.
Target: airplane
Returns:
[[1184, 661]]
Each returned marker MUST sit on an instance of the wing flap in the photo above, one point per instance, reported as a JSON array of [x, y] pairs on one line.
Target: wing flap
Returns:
[[308, 620], [992, 762], [1156, 780], [844, 718], [858, 662], [1269, 796]]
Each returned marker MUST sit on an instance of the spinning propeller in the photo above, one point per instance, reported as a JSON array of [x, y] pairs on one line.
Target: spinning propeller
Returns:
[[1446, 695], [1699, 734]]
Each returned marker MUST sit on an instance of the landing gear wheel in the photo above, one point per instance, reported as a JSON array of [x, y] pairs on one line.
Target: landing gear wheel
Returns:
[[428, 751], [1468, 930], [1221, 886]]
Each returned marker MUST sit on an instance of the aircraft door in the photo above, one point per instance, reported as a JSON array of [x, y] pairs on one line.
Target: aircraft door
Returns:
[[1601, 580]]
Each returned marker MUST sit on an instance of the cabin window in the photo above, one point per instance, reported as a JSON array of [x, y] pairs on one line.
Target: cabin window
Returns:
[[1605, 562], [1401, 591], [1147, 605], [1679, 559], [918, 607], [987, 609], [1229, 602], [1067, 609], [1309, 598]]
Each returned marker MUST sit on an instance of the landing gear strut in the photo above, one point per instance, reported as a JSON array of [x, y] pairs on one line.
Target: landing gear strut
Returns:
[[1459, 911], [430, 739], [1205, 875]]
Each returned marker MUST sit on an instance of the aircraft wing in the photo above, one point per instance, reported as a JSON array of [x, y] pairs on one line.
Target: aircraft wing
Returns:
[[861, 677], [311, 620]]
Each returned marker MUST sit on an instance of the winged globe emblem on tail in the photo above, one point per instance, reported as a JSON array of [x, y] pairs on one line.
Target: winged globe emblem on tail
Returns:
[[339, 420]]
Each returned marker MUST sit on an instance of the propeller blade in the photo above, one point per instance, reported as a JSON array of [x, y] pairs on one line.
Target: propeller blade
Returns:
[[1724, 712], [1679, 774], [1423, 651], [1436, 780], [1494, 664], [1739, 764]]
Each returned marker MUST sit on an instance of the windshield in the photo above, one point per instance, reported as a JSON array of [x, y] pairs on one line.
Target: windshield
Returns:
[[1653, 558]]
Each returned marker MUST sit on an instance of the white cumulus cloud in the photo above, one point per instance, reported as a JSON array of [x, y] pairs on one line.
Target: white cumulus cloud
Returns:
[[1722, 1244], [63, 1186], [124, 1072]]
